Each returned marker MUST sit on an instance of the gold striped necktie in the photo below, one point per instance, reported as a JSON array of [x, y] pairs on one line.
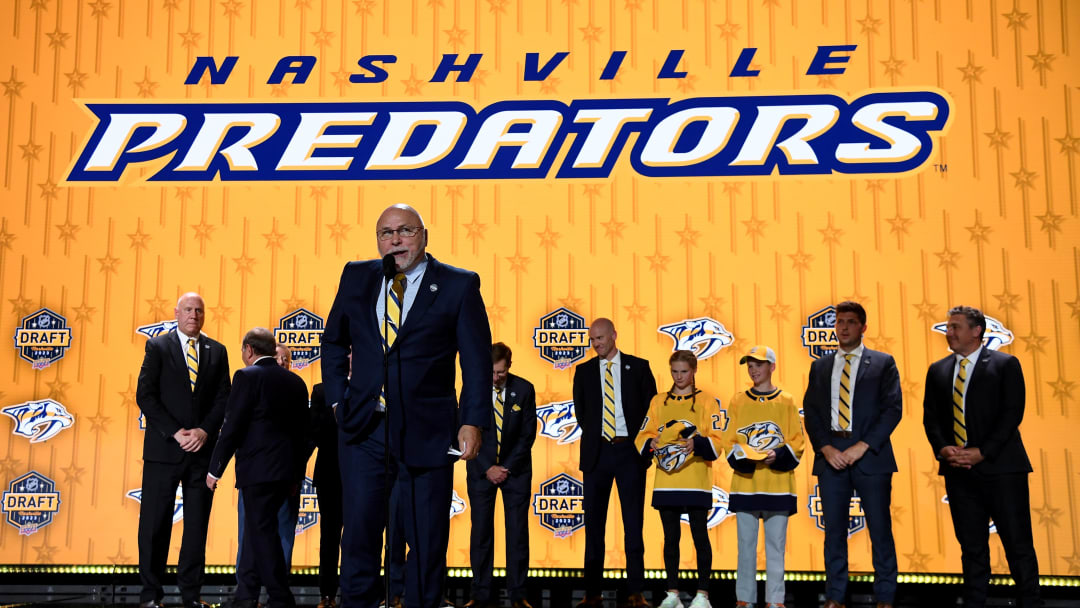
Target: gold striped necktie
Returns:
[[609, 402], [498, 421], [192, 357], [395, 296], [959, 424], [844, 405]]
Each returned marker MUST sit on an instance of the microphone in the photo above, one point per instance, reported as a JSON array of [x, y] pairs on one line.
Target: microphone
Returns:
[[389, 266]]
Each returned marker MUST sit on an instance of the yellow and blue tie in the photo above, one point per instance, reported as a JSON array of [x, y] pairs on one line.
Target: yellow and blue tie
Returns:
[[959, 424], [192, 357], [844, 405], [395, 296], [609, 402], [498, 420]]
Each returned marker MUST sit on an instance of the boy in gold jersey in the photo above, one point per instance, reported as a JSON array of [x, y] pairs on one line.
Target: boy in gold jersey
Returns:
[[765, 441]]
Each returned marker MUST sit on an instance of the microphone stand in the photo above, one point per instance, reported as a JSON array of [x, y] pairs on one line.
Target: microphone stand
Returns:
[[387, 520]]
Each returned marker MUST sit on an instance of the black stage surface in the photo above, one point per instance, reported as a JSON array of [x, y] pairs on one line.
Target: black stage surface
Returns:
[[109, 586]]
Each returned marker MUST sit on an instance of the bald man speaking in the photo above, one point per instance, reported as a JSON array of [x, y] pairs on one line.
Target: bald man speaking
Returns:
[[422, 315]]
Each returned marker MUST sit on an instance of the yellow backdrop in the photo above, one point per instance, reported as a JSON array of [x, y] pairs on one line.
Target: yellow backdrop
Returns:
[[989, 220]]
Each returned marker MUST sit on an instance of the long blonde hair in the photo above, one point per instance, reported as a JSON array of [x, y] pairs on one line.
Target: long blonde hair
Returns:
[[687, 357]]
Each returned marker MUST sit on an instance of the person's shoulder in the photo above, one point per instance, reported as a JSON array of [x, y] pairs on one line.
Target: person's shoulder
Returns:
[[212, 343], [878, 355], [522, 382], [163, 339], [997, 357], [446, 271], [628, 359]]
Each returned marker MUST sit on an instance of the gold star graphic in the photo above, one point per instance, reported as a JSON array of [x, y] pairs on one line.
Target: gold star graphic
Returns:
[[455, 36], [754, 228], [729, 30], [876, 186], [57, 39], [713, 305], [1069, 145], [338, 231], [413, 85], [57, 389], [475, 230], [190, 38], [274, 239], [592, 191], [496, 312], [232, 8], [158, 307], [688, 236], [6, 238], [99, 9], [280, 89], [1024, 178], [893, 67], [898, 224], [171, 5], [108, 263], [657, 261], [1041, 62], [1051, 222], [146, 86], [633, 5], [613, 228], [127, 396], [971, 72], [1016, 18], [548, 238], [73, 474], [800, 260], [826, 81], [1048, 516], [244, 264], [364, 7], [686, 84], [184, 193], [636, 312], [139, 239], [591, 33], [947, 258], [202, 231], [927, 310], [550, 85], [323, 38], [319, 193], [497, 6], [999, 138], [917, 561], [39, 5], [933, 480], [45, 552], [1033, 342], [1075, 306], [979, 232], [341, 78], [1063, 389], [9, 465], [84, 312], [778, 311], [221, 313], [518, 263], [1007, 300], [830, 234], [869, 25], [67, 231], [30, 150], [119, 557], [454, 193], [571, 302], [20, 306], [76, 80], [12, 87], [48, 189]]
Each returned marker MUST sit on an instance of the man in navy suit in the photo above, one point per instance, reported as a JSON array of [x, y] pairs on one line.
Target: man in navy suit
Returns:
[[504, 463], [264, 428], [972, 411], [852, 404], [612, 392], [425, 316], [182, 390]]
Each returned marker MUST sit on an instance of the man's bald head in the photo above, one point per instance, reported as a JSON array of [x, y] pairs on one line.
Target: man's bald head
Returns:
[[408, 250], [602, 336], [190, 314]]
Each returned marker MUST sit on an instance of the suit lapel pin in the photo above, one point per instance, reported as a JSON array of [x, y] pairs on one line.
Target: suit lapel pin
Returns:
[[513, 394], [627, 367], [433, 287]]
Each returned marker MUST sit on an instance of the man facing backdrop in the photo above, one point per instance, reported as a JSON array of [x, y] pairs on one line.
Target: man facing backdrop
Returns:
[[426, 315]]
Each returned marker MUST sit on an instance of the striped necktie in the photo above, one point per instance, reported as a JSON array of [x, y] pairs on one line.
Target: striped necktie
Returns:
[[959, 424], [498, 420], [395, 295], [192, 357], [609, 402], [844, 405]]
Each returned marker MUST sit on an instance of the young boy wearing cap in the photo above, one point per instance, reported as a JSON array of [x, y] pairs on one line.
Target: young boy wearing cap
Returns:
[[765, 437]]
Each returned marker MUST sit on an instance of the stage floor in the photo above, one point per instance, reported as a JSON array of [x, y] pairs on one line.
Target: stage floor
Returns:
[[122, 589]]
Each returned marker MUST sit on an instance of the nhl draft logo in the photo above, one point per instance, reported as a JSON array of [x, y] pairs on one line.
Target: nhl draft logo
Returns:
[[558, 422], [309, 506], [43, 338], [39, 420], [719, 511], [819, 333], [457, 505], [301, 331], [560, 505], [856, 518], [704, 336], [995, 336], [762, 436], [563, 338], [178, 503], [154, 330], [30, 502]]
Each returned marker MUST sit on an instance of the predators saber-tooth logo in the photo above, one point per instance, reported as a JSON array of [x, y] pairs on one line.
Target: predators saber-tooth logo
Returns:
[[301, 332], [819, 333], [995, 336], [559, 422], [703, 336], [154, 330], [39, 420], [457, 505], [562, 338], [719, 511], [43, 338], [178, 502], [559, 504], [883, 132], [30, 502], [856, 517], [762, 436]]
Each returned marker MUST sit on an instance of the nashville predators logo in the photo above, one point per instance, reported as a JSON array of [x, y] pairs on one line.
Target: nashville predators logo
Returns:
[[457, 505], [558, 422], [704, 336], [719, 511], [670, 456], [39, 420], [762, 436], [154, 330], [995, 336]]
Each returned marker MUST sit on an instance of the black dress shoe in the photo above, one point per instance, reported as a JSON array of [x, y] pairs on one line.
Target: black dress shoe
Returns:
[[594, 601], [522, 603], [326, 602], [152, 604]]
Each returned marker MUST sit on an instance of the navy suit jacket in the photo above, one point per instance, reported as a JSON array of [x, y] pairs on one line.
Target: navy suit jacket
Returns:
[[518, 432], [447, 321], [638, 388], [876, 408], [264, 426], [165, 396], [993, 410]]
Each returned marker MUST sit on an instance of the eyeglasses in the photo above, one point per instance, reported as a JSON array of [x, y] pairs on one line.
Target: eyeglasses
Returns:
[[405, 231]]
